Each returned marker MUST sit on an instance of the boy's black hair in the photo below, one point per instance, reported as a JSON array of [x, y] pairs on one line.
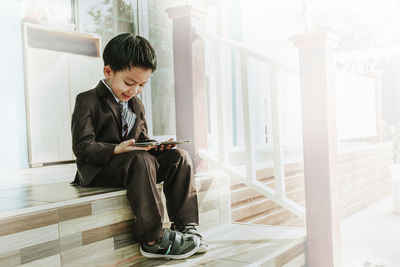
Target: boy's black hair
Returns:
[[126, 50]]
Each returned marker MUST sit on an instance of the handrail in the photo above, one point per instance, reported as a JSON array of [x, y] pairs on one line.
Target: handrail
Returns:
[[245, 50]]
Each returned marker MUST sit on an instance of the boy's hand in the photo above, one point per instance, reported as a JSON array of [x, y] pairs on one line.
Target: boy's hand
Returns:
[[165, 147], [126, 146]]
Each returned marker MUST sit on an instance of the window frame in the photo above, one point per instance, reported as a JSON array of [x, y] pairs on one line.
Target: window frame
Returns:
[[143, 30]]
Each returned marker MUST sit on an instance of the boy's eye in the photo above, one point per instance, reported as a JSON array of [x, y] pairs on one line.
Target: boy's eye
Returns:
[[129, 84]]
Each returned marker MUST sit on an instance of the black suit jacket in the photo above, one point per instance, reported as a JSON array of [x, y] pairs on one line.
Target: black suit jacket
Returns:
[[97, 128]]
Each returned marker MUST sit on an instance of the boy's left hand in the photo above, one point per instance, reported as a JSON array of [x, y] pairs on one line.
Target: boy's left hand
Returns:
[[161, 148]]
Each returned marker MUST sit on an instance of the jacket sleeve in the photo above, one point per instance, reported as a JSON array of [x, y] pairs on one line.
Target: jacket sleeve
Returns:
[[84, 144], [144, 135]]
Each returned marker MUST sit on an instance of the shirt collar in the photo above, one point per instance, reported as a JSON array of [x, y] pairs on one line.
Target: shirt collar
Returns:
[[116, 98]]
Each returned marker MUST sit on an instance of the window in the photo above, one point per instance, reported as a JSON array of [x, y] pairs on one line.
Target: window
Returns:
[[162, 81], [56, 14], [106, 18]]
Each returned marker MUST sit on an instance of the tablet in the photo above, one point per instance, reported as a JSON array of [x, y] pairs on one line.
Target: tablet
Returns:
[[152, 143], [176, 142]]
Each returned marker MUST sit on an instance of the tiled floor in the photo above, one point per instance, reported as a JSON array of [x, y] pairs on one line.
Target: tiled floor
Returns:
[[39, 186]]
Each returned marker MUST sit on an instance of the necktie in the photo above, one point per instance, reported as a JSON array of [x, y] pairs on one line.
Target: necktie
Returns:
[[128, 119]]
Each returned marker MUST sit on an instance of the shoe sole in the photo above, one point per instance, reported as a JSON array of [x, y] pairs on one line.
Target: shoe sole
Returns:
[[173, 257], [203, 249]]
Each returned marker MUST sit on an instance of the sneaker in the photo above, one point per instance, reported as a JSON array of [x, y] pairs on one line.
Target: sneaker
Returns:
[[172, 245], [191, 229]]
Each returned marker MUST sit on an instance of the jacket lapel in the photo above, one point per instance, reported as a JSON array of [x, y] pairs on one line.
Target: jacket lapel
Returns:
[[110, 100], [136, 109]]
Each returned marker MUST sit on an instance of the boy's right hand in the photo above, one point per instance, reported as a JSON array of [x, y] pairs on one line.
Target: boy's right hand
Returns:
[[126, 146]]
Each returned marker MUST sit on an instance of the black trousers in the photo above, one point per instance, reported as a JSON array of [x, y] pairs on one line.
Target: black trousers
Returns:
[[139, 172]]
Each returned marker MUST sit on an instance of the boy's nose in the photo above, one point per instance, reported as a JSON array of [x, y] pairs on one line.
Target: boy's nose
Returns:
[[133, 90]]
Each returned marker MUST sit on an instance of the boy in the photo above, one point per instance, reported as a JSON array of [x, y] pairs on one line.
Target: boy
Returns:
[[106, 123]]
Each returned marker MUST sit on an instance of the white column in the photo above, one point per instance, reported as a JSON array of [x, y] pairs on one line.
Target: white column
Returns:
[[189, 78], [317, 68]]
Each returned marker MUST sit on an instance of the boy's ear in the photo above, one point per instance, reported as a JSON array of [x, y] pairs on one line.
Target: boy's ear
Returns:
[[107, 71]]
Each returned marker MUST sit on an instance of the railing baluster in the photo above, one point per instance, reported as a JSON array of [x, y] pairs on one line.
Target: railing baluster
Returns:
[[268, 105], [222, 153], [259, 86], [212, 105], [279, 169], [247, 118], [238, 102]]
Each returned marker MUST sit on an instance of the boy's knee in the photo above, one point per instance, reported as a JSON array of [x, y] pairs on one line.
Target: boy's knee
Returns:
[[183, 155]]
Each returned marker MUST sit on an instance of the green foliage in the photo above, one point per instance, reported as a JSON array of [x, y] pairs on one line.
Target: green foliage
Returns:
[[115, 18]]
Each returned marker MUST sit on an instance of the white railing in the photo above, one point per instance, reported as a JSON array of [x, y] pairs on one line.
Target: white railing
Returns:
[[261, 108], [356, 107], [246, 110]]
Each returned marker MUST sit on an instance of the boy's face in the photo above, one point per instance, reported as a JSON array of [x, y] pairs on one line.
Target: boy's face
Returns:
[[127, 83]]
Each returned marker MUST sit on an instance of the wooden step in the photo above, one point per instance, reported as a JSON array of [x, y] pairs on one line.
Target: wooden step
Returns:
[[93, 230], [362, 177], [280, 217], [366, 200], [276, 216], [361, 171], [297, 222], [262, 207], [243, 194], [246, 245], [290, 179], [363, 189]]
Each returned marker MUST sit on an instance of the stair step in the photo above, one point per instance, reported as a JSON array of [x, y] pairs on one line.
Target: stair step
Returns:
[[262, 207], [363, 178], [297, 222], [265, 168], [249, 195], [365, 188], [88, 226], [366, 200], [296, 194], [279, 217], [95, 231], [237, 184], [242, 193], [246, 245]]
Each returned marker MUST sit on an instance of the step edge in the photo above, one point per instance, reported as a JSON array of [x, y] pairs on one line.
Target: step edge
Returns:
[[63, 203]]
